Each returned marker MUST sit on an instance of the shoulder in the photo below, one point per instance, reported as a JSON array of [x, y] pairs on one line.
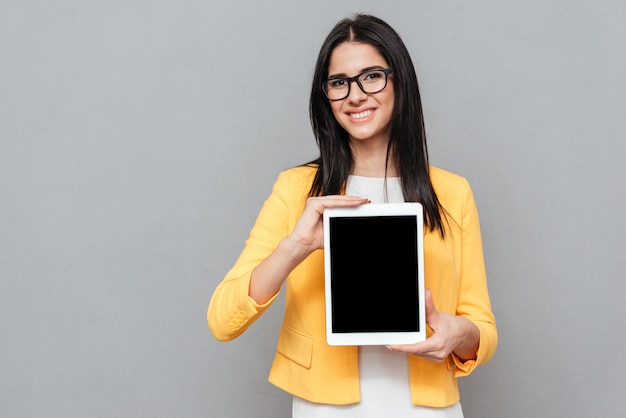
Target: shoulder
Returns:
[[452, 189], [444, 180], [300, 177]]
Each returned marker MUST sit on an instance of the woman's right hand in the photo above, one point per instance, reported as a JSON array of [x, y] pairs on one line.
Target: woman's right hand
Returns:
[[308, 234]]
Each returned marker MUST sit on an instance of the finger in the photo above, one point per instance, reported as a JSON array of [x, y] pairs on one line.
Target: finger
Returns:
[[404, 348], [320, 204], [429, 305], [337, 201], [428, 349], [419, 349], [424, 346]]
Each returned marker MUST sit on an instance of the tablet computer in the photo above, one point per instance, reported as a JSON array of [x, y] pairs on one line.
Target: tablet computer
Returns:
[[374, 274]]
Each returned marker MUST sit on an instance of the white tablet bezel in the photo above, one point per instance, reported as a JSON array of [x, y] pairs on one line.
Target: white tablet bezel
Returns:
[[376, 338]]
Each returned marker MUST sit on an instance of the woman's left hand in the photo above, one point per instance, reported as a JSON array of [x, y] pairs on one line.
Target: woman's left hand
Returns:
[[451, 333]]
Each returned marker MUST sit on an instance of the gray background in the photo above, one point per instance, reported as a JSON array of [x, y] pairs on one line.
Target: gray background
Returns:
[[139, 139]]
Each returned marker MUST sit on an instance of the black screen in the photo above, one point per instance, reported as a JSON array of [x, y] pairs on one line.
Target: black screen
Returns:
[[374, 274]]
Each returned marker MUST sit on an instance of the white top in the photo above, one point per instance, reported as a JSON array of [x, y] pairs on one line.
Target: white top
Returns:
[[383, 374]]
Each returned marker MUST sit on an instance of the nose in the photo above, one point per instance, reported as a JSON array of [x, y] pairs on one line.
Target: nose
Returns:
[[356, 94]]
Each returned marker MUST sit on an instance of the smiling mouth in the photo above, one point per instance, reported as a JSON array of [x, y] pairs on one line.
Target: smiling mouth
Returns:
[[361, 115]]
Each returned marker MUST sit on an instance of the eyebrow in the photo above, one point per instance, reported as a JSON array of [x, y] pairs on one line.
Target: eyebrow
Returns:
[[343, 75]]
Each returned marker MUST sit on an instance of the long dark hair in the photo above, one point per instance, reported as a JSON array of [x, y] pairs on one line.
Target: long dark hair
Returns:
[[407, 136]]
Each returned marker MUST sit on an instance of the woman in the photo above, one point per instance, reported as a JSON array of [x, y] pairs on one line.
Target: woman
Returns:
[[367, 118]]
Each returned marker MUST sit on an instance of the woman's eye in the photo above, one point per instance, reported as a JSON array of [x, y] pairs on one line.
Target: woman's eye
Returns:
[[337, 83], [372, 76]]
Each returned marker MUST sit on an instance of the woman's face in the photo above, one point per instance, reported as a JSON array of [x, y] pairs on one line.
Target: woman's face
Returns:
[[366, 117]]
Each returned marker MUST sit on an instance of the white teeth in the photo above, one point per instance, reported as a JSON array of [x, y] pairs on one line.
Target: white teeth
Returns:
[[361, 114]]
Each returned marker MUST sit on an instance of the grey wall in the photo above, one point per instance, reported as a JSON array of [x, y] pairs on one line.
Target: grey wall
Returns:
[[138, 140]]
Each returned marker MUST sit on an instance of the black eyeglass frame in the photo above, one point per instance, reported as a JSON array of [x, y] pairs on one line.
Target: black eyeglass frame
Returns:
[[355, 79]]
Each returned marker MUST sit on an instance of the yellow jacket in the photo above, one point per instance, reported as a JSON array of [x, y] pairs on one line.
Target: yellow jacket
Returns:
[[304, 365]]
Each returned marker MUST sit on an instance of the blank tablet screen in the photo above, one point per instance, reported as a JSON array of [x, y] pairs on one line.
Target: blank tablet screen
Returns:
[[374, 274]]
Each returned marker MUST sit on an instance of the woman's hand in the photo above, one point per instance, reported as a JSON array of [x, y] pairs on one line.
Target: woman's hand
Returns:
[[451, 333], [307, 236]]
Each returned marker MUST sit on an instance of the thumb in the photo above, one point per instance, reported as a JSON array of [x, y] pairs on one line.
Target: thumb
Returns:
[[429, 305]]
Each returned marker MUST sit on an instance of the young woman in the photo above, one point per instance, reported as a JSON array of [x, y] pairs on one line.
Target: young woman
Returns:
[[367, 118]]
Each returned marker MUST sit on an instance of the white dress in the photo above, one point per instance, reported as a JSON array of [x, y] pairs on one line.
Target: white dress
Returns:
[[383, 374]]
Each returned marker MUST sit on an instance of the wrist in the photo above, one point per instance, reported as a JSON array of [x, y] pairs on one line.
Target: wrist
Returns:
[[468, 346], [294, 250]]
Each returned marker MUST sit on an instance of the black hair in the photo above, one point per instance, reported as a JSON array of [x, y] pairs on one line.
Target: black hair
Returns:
[[407, 136]]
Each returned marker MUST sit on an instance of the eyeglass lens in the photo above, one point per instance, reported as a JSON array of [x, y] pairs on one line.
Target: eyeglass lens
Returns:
[[369, 82]]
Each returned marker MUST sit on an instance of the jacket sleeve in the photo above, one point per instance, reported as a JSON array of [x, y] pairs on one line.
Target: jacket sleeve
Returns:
[[474, 302], [231, 311]]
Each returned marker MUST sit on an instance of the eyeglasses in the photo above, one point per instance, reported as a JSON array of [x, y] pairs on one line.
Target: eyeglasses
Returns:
[[370, 82]]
